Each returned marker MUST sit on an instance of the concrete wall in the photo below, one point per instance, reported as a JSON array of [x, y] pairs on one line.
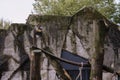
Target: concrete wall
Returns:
[[59, 32]]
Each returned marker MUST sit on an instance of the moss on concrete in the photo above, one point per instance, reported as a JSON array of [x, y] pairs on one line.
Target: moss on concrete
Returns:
[[49, 19]]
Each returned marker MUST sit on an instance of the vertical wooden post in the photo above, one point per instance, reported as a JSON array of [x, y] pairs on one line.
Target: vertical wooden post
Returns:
[[35, 65], [35, 56]]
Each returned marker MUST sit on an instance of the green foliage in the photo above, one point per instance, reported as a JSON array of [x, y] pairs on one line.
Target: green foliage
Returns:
[[69, 7], [116, 15], [4, 24]]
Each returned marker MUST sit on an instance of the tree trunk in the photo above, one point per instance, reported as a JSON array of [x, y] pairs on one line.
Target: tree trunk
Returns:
[[35, 66], [97, 56]]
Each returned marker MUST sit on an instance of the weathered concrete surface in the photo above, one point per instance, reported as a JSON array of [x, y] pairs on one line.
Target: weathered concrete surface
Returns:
[[71, 33], [19, 39], [80, 40], [54, 32], [80, 37], [54, 29], [15, 46]]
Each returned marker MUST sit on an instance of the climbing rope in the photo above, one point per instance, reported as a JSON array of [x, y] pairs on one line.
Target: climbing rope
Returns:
[[80, 72]]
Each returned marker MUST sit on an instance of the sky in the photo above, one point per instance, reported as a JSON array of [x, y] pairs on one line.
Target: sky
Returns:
[[16, 11]]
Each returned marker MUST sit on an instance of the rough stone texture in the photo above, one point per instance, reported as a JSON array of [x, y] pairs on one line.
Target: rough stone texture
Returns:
[[71, 33], [15, 46], [54, 29], [81, 33]]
